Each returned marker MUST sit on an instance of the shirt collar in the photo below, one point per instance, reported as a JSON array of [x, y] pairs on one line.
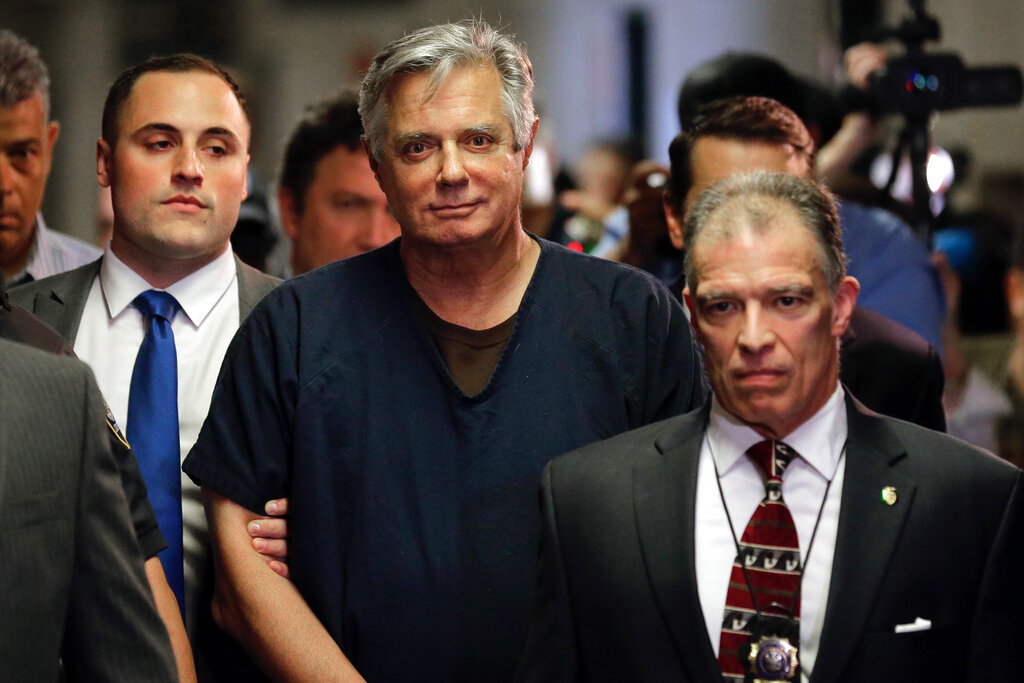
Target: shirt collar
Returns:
[[820, 440], [196, 293], [40, 244]]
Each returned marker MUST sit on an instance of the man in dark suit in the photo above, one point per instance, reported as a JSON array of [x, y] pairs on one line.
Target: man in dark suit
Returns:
[[72, 577], [892, 552], [889, 367], [174, 152]]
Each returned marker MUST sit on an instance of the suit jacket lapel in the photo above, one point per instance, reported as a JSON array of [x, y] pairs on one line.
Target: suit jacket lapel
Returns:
[[62, 305], [664, 491], [252, 286], [868, 532]]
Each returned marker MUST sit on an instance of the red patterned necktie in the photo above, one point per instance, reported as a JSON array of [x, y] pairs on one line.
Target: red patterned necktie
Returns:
[[770, 553]]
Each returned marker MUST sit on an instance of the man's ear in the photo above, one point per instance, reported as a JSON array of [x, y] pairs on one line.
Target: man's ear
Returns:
[[843, 305], [245, 185], [104, 162], [528, 150], [674, 221], [286, 208], [52, 133]]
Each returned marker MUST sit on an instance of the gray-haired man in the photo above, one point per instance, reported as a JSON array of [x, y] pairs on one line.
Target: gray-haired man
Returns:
[[28, 249], [407, 399], [783, 532]]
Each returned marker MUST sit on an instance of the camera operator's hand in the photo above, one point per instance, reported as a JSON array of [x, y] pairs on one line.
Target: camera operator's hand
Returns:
[[859, 128], [862, 60]]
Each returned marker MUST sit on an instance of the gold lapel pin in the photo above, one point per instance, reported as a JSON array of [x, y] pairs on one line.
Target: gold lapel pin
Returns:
[[889, 495]]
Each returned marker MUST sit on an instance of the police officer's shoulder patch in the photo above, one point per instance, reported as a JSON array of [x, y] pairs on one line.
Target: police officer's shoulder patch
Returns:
[[112, 423]]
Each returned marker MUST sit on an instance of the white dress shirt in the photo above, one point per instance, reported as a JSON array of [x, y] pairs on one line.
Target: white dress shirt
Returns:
[[821, 443], [109, 338]]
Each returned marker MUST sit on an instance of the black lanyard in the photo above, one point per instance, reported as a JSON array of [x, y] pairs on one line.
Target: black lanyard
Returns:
[[810, 546]]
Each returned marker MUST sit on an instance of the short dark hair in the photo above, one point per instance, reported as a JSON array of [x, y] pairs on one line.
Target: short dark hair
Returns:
[[327, 126], [745, 74], [181, 62], [22, 72], [746, 194], [750, 119]]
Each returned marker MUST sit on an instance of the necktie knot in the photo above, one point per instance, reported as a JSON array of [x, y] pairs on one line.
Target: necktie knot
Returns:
[[772, 458], [155, 303]]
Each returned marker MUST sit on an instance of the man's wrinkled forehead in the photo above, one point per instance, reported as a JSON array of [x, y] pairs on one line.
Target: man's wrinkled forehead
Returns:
[[430, 81], [753, 217]]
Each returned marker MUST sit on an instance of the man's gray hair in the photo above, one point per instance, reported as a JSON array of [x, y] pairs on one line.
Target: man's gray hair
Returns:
[[438, 50], [22, 72], [751, 201]]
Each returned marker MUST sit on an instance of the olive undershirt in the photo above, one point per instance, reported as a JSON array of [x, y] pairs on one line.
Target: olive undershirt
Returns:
[[471, 355]]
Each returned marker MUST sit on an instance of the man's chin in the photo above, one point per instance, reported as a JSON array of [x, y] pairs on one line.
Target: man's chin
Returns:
[[12, 234], [447, 235], [12, 245], [754, 406], [185, 251]]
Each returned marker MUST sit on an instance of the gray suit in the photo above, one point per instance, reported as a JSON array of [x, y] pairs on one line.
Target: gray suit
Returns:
[[60, 300], [72, 577], [617, 590]]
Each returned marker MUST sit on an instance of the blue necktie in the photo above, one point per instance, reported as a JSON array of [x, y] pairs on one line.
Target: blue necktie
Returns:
[[153, 427]]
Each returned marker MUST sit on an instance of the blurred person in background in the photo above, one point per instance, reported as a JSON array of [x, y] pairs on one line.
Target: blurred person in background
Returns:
[[889, 367], [985, 373], [591, 217], [975, 406], [1010, 428], [893, 266], [330, 204], [647, 244]]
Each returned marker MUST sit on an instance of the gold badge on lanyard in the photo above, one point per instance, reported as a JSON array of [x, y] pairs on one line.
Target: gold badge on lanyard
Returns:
[[772, 658]]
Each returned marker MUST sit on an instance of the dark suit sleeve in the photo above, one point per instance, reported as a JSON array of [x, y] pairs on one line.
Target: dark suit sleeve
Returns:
[[19, 325], [147, 531], [112, 631], [550, 653], [998, 630]]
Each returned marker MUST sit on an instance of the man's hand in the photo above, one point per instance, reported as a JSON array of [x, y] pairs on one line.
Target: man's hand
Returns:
[[862, 60], [860, 129], [270, 535], [588, 205]]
